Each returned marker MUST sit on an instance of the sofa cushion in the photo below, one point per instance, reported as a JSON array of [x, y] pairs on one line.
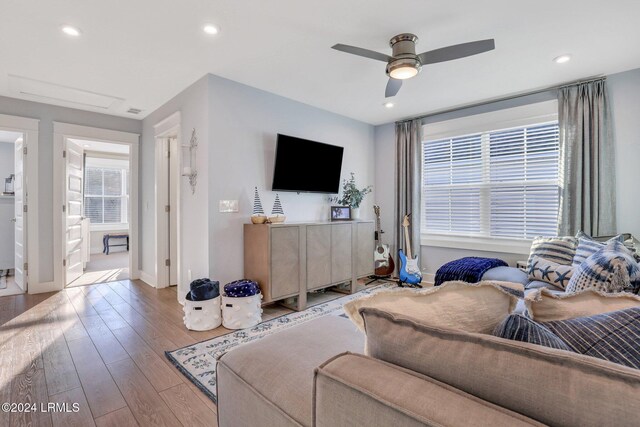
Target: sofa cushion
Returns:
[[477, 307], [555, 387], [279, 368], [556, 249], [551, 272], [357, 391], [544, 305], [611, 269], [506, 274], [520, 328]]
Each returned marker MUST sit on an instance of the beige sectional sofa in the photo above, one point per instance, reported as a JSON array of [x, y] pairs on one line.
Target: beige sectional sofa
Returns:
[[316, 374]]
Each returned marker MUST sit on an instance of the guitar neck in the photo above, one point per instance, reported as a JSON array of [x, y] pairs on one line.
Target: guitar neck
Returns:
[[407, 242], [378, 230]]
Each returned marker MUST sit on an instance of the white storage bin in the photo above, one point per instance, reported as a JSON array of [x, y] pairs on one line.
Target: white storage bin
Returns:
[[202, 315], [241, 313]]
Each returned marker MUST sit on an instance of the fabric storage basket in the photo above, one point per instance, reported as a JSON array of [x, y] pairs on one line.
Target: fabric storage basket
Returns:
[[202, 315], [241, 312]]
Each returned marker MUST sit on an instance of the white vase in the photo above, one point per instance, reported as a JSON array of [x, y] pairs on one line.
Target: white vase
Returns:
[[355, 213]]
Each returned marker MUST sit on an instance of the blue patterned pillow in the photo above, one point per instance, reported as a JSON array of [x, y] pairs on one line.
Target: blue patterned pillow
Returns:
[[588, 246], [613, 336], [519, 328], [556, 249], [611, 269]]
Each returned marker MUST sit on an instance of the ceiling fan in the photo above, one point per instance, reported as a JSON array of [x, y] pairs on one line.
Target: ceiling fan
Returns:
[[404, 63]]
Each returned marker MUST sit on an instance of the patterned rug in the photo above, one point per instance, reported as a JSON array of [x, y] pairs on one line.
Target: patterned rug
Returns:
[[198, 361]]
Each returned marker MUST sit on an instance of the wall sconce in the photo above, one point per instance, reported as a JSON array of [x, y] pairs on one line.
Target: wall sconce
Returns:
[[189, 169]]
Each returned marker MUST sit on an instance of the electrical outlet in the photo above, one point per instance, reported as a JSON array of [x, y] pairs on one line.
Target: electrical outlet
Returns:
[[228, 206]]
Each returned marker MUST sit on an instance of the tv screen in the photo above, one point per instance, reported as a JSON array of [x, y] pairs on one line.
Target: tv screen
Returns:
[[306, 166]]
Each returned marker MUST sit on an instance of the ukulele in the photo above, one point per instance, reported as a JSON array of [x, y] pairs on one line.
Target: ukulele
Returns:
[[409, 268], [384, 265]]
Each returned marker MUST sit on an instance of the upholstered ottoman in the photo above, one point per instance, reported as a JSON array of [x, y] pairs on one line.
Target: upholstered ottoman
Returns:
[[270, 382]]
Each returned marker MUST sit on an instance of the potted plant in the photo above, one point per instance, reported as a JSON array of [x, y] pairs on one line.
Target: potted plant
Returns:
[[352, 196]]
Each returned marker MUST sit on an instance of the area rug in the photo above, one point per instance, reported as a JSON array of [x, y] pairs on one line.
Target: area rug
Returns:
[[198, 361]]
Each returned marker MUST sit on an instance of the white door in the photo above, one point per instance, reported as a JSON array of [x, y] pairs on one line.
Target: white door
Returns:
[[21, 238], [173, 209], [74, 189]]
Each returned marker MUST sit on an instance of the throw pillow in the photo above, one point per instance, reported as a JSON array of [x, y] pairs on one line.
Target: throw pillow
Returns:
[[544, 305], [588, 246], [610, 336], [556, 249], [611, 269], [476, 307], [551, 272], [519, 328]]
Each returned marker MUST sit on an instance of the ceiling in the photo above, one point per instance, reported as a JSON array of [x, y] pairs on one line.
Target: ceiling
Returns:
[[141, 53], [103, 147]]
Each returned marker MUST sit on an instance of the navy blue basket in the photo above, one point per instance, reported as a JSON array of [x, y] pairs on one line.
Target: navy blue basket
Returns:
[[204, 289], [241, 288]]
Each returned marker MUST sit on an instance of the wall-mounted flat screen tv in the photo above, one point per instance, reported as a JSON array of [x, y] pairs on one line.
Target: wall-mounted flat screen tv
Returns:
[[306, 166]]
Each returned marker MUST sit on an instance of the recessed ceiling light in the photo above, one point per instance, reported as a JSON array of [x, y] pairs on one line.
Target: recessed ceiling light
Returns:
[[71, 31], [389, 104], [86, 146], [562, 58], [211, 29]]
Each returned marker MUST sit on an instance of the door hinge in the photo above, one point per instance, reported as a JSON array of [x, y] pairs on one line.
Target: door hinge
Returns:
[[64, 262], [64, 154], [25, 267], [167, 208], [24, 150], [167, 263], [24, 208], [64, 208], [168, 154]]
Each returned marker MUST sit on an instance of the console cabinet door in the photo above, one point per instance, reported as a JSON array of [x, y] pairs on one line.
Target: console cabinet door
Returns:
[[364, 249], [341, 265], [318, 255], [285, 261]]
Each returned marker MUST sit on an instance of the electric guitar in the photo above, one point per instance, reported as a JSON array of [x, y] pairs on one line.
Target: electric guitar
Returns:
[[409, 269], [384, 265]]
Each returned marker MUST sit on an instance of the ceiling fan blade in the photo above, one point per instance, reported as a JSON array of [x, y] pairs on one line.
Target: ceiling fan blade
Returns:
[[393, 86], [362, 52], [456, 51]]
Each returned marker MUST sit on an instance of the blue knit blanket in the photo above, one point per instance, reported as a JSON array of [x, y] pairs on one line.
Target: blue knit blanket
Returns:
[[469, 269]]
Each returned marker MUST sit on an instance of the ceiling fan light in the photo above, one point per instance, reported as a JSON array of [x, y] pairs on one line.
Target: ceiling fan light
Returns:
[[403, 73]]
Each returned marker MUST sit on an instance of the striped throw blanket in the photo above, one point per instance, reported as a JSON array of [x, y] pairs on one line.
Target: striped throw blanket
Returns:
[[469, 269]]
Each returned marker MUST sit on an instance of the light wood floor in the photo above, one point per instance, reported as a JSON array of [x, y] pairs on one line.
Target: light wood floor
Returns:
[[101, 346]]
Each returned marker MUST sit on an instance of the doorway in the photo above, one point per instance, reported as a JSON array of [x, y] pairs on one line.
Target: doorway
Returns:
[[97, 215], [13, 227], [96, 229]]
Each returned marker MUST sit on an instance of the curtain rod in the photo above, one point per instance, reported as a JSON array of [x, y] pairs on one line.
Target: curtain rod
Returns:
[[507, 98]]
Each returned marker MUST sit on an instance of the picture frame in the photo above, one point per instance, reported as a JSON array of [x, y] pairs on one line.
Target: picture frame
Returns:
[[340, 213]]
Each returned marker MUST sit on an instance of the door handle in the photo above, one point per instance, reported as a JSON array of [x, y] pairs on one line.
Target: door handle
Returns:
[[12, 220]]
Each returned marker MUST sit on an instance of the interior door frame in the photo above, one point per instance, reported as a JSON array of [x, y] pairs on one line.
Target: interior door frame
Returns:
[[29, 129], [168, 128], [62, 132]]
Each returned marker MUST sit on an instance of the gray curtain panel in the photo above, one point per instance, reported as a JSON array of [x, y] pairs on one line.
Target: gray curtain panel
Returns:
[[588, 188], [408, 180]]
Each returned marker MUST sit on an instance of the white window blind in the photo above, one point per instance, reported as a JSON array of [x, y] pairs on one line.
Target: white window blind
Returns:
[[106, 195], [501, 183]]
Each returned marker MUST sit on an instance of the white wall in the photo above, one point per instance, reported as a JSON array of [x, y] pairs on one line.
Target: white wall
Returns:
[[193, 106], [47, 114], [7, 160], [624, 95], [244, 122]]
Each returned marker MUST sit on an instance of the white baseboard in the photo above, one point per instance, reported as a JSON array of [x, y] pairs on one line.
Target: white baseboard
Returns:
[[148, 279], [39, 288]]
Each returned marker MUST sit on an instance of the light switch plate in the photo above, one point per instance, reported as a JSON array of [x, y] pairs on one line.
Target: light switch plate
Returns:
[[228, 206]]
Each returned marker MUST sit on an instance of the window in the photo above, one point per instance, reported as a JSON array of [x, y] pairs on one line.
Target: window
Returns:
[[500, 183], [106, 194]]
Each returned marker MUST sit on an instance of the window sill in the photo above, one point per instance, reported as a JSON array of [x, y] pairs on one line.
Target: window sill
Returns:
[[484, 244], [109, 227]]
